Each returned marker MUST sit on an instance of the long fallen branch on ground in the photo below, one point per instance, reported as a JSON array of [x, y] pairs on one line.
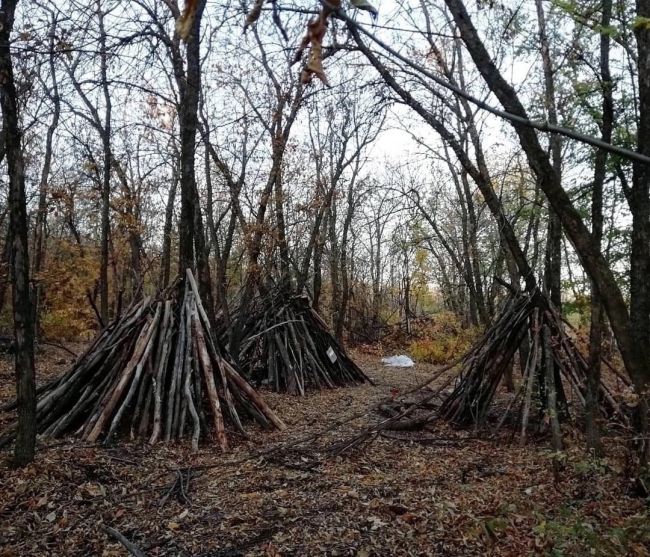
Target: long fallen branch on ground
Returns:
[[481, 372]]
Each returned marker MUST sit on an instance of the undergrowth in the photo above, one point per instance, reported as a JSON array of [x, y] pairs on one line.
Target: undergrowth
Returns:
[[435, 339], [442, 338]]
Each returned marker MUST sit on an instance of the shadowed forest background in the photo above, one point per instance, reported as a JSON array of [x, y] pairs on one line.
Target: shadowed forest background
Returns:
[[216, 218]]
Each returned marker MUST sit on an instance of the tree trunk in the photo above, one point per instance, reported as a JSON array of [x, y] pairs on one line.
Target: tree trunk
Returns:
[[640, 207], [106, 176], [550, 384], [467, 270], [202, 261], [188, 122], [165, 258], [22, 303], [376, 264], [335, 282], [633, 352], [222, 270], [281, 230], [343, 259], [5, 264], [41, 214], [319, 247], [474, 258], [592, 412], [553, 270]]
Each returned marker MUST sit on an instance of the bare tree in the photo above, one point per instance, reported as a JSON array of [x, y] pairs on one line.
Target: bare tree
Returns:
[[22, 303], [41, 215]]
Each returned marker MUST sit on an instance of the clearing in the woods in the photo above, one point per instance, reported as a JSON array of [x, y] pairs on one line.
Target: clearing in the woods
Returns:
[[434, 492]]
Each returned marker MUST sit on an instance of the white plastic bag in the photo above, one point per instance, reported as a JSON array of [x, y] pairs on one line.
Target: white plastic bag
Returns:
[[398, 361]]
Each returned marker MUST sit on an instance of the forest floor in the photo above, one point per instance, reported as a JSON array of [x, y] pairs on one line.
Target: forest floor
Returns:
[[448, 493]]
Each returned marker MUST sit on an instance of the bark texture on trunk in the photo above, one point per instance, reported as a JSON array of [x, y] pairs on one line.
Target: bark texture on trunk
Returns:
[[640, 208], [22, 303], [189, 87], [633, 353], [600, 166]]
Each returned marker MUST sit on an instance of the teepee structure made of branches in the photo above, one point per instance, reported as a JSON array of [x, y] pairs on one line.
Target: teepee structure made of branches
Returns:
[[554, 364], [154, 373], [287, 346]]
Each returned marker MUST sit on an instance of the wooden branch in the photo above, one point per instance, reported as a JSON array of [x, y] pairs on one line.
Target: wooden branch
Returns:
[[208, 373], [129, 546], [95, 310]]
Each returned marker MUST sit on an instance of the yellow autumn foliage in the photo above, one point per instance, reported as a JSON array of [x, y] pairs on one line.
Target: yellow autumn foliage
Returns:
[[68, 274], [442, 339]]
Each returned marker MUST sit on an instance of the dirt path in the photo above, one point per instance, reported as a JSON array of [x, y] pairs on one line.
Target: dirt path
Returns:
[[459, 497]]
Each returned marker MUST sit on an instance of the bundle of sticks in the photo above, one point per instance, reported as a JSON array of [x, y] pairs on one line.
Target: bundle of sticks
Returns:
[[553, 362], [155, 373], [287, 346]]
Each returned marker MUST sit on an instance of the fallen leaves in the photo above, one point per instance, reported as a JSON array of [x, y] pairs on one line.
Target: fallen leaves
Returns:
[[394, 497], [92, 489]]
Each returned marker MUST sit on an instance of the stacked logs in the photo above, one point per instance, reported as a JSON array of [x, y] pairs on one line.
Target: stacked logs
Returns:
[[154, 373], [482, 369], [288, 347]]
